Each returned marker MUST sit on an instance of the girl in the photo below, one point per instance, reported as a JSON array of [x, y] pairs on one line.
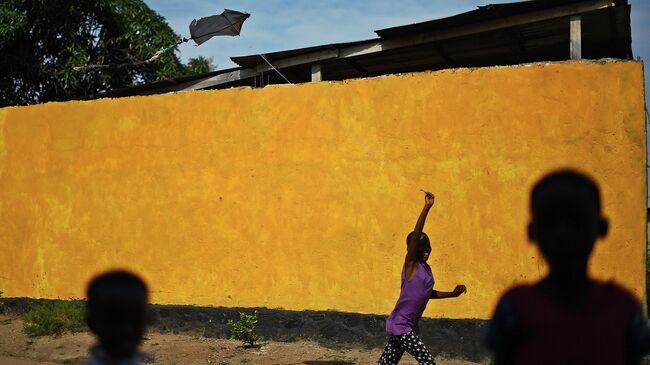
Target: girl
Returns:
[[417, 289]]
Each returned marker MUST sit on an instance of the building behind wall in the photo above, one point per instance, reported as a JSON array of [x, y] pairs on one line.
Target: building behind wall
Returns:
[[500, 34]]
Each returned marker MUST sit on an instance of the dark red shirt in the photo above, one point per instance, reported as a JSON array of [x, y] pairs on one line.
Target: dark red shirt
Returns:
[[530, 327]]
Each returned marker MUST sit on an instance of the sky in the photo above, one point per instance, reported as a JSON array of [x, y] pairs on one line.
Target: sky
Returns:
[[277, 25]]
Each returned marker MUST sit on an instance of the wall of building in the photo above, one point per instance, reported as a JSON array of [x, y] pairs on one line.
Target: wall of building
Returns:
[[300, 197]]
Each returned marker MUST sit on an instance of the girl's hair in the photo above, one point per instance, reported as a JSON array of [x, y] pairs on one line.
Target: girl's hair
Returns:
[[423, 240]]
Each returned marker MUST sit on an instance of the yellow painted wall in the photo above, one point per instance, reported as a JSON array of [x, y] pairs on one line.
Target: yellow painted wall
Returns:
[[300, 197]]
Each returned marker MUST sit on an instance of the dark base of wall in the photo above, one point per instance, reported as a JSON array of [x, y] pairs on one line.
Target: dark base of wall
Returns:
[[458, 338]]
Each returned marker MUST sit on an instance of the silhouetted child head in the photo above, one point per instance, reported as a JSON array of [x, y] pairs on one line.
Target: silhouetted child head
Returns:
[[566, 219], [117, 312], [424, 246]]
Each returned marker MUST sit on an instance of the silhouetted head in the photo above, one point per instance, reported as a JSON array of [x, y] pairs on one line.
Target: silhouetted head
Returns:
[[424, 246], [566, 219], [117, 312]]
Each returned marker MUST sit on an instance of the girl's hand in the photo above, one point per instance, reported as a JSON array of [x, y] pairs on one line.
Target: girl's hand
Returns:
[[429, 198], [460, 289]]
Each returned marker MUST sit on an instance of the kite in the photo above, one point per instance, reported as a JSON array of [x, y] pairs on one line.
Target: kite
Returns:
[[227, 23]]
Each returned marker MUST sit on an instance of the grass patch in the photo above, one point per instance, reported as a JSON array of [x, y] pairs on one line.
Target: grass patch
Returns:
[[54, 318]]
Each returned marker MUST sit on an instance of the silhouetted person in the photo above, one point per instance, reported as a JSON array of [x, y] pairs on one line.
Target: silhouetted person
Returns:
[[416, 290], [117, 314], [567, 317]]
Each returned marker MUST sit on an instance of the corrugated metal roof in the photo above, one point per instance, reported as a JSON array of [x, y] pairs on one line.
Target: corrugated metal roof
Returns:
[[254, 60], [483, 13]]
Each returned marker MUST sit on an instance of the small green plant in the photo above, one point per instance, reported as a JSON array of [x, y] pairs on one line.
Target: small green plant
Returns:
[[54, 318], [243, 329]]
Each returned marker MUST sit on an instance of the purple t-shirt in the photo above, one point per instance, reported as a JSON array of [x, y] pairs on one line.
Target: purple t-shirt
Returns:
[[413, 298]]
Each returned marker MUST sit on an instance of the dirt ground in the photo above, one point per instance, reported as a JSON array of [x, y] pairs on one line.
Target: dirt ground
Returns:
[[187, 349]]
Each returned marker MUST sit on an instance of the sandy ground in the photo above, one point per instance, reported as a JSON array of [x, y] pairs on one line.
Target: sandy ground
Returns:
[[18, 349]]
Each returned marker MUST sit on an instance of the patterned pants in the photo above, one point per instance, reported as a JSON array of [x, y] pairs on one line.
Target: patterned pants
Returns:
[[409, 342]]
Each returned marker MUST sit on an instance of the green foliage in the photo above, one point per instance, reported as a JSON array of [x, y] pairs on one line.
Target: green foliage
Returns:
[[42, 41], [2, 305], [54, 318], [243, 329], [199, 65]]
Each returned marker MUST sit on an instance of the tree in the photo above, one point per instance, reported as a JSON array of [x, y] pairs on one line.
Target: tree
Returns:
[[200, 65], [41, 41]]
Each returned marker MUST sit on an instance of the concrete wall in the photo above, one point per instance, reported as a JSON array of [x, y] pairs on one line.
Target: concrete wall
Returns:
[[300, 197]]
